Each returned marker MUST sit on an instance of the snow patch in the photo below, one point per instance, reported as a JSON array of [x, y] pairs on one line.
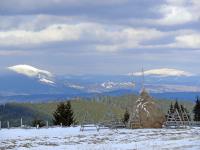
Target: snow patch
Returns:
[[47, 81], [76, 86], [123, 139], [110, 84]]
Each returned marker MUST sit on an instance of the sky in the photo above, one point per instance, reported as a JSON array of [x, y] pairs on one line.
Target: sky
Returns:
[[100, 36]]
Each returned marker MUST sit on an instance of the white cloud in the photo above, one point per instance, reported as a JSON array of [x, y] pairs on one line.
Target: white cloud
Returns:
[[183, 39], [179, 12], [129, 38], [188, 41], [53, 33], [99, 37], [103, 37], [175, 15]]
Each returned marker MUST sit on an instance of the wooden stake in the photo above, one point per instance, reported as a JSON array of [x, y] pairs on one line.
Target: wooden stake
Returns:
[[47, 124], [8, 124], [21, 123]]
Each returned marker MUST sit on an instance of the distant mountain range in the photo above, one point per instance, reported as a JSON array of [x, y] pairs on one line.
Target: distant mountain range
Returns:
[[27, 83]]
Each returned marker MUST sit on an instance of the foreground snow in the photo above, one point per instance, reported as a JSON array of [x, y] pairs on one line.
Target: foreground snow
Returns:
[[72, 138]]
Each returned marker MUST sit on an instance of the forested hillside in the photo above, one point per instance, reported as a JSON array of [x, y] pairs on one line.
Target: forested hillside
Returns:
[[96, 107]]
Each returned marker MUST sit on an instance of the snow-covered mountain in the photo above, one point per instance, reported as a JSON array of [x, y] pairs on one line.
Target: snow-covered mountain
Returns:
[[28, 82], [30, 71], [163, 72], [25, 82]]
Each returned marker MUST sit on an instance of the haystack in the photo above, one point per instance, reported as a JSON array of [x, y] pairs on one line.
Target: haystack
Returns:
[[147, 113]]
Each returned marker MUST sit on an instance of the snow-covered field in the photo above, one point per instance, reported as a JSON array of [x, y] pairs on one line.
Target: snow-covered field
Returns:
[[72, 138]]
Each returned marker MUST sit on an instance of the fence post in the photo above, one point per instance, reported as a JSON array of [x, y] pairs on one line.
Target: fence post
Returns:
[[0, 125], [21, 123], [8, 124], [47, 124], [61, 125]]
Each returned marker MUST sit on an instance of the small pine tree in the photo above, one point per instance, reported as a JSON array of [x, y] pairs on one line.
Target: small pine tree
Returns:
[[126, 117], [196, 110], [64, 114]]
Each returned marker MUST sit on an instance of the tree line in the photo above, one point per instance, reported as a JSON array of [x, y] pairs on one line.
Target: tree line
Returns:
[[64, 114]]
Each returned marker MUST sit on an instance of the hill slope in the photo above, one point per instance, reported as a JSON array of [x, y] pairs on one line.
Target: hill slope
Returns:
[[97, 108]]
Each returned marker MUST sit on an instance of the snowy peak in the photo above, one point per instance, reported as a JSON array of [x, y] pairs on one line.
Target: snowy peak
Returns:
[[30, 71], [111, 85], [163, 72], [46, 81]]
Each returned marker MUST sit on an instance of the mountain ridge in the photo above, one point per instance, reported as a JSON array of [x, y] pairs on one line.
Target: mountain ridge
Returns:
[[42, 85]]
